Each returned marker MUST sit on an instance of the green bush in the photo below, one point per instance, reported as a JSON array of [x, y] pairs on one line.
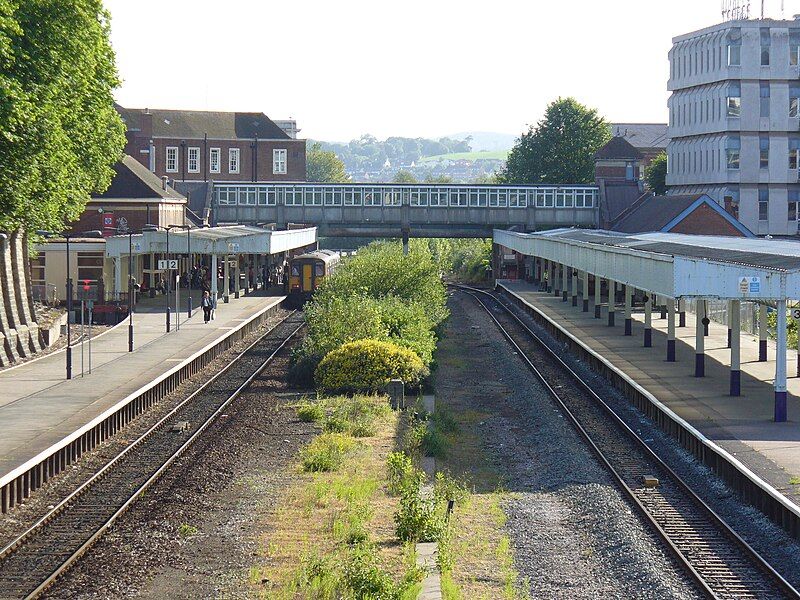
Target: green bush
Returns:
[[364, 576], [302, 364], [418, 519], [310, 412], [434, 442], [400, 468], [326, 452], [367, 366]]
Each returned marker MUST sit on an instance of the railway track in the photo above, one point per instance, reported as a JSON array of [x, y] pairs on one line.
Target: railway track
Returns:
[[33, 561], [721, 563]]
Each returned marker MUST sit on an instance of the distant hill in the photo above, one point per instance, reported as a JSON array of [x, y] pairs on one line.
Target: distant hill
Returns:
[[486, 155], [486, 141]]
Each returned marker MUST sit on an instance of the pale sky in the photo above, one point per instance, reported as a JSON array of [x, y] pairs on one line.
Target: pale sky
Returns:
[[411, 68]]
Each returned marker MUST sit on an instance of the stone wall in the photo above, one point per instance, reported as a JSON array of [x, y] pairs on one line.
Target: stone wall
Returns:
[[19, 332]]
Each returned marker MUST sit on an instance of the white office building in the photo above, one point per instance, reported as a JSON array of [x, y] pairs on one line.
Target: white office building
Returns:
[[734, 120]]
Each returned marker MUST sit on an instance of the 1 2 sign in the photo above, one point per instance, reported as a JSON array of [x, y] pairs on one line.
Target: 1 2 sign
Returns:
[[168, 265]]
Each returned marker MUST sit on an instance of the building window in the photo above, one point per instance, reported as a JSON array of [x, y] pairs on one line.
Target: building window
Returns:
[[794, 199], [763, 204], [734, 50], [233, 160], [279, 161], [171, 159], [794, 148], [763, 146], [732, 152], [764, 93], [38, 269], [794, 100], [193, 160], [213, 160], [765, 43], [794, 48], [735, 100], [90, 266]]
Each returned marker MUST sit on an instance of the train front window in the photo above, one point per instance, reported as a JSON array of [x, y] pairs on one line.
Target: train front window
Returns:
[[295, 271], [319, 270]]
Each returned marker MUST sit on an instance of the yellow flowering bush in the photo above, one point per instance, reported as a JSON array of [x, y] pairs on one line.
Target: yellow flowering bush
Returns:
[[367, 366]]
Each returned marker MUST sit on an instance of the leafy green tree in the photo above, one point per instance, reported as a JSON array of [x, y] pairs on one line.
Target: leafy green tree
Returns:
[[430, 178], [324, 165], [59, 131], [656, 174], [560, 148], [404, 176]]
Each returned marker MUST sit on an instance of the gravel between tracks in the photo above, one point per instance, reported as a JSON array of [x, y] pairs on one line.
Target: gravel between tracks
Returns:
[[573, 534], [18, 520], [769, 540], [194, 533]]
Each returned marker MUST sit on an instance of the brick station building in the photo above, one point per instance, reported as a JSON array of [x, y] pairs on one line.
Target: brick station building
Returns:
[[193, 146]]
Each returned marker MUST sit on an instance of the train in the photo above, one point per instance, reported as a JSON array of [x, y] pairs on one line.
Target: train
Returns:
[[307, 272]]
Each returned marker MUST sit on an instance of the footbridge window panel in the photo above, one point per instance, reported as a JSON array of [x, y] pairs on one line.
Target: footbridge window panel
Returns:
[[518, 198], [458, 197], [293, 197], [352, 197], [419, 197], [333, 196]]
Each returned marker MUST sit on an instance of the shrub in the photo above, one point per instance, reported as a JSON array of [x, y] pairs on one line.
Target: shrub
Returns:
[[434, 442], [417, 520], [326, 452], [400, 469], [302, 363], [413, 438], [367, 366], [364, 576], [310, 412]]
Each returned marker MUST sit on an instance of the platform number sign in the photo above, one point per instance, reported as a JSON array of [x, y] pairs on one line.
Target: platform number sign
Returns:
[[168, 265], [749, 285], [796, 314]]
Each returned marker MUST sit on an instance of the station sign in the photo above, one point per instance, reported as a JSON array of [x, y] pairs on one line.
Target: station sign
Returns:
[[168, 265], [749, 285], [233, 247], [796, 314]]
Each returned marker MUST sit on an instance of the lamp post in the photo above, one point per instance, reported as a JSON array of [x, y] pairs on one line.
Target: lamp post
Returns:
[[94, 234], [131, 288], [188, 229]]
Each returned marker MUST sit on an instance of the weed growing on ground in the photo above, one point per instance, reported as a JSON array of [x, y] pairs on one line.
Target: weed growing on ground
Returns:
[[326, 452], [794, 480], [186, 530], [310, 412], [398, 469]]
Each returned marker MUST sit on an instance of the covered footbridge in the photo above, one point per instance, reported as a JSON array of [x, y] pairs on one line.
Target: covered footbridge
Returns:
[[612, 270], [394, 210]]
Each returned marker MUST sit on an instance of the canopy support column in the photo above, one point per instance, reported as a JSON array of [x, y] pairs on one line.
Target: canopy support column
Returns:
[[670, 330], [236, 283], [648, 322], [574, 286], [585, 293], [226, 278], [628, 303], [699, 341], [681, 313], [780, 364], [734, 339], [598, 298], [214, 281], [762, 333], [564, 283], [612, 289]]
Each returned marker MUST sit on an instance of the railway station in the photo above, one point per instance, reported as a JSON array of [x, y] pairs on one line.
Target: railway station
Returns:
[[732, 391], [49, 421]]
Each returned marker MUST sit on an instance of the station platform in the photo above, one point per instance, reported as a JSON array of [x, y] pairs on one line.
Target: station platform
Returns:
[[40, 407], [743, 425]]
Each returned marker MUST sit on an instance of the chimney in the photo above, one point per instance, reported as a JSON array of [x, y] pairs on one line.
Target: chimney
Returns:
[[164, 182]]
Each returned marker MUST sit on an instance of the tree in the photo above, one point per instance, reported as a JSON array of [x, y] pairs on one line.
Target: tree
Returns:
[[324, 165], [59, 131], [440, 179], [656, 174], [560, 148], [404, 176]]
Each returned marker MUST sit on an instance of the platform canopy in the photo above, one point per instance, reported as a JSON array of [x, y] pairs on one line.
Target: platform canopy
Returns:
[[670, 264], [234, 239]]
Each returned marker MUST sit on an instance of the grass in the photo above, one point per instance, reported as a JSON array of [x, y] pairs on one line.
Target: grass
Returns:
[[332, 534], [186, 530], [794, 480], [497, 155], [326, 452], [356, 416]]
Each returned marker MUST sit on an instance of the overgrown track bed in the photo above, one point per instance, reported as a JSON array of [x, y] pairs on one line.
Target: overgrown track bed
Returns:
[[722, 564], [33, 561]]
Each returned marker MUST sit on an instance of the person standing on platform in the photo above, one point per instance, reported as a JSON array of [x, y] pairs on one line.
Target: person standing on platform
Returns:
[[208, 306]]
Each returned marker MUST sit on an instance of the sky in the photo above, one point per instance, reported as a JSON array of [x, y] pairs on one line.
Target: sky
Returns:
[[423, 68]]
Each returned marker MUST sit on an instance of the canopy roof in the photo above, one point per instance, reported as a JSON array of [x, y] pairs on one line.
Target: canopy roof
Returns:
[[672, 264], [234, 239]]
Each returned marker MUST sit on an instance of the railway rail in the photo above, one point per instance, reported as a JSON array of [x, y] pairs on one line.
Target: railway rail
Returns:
[[34, 560], [720, 562]]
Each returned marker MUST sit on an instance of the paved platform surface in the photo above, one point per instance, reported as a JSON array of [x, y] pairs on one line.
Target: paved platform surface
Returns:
[[742, 425], [39, 407]]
